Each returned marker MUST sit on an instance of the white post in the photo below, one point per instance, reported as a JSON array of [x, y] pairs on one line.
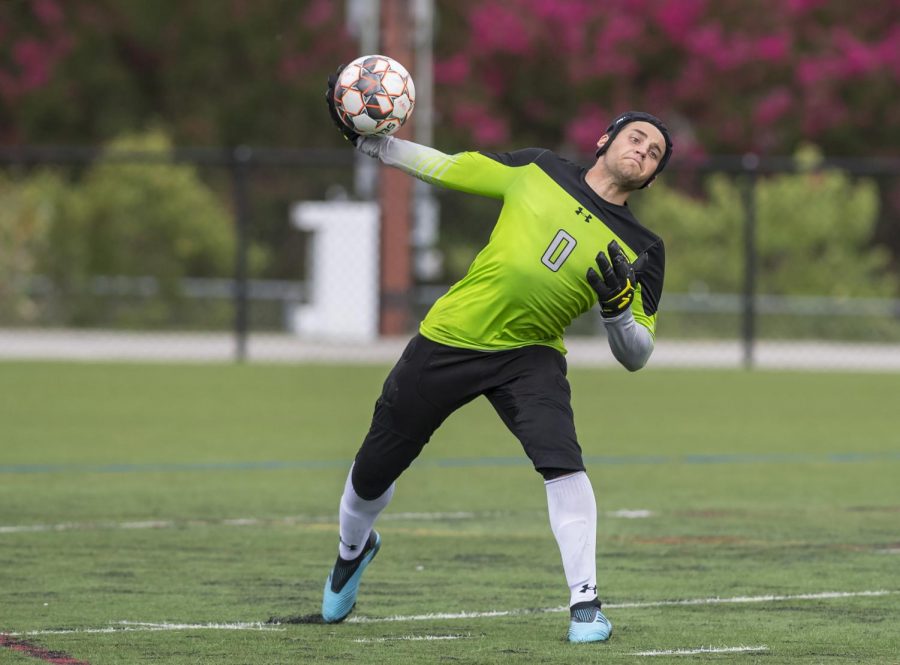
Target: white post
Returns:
[[428, 261], [343, 271]]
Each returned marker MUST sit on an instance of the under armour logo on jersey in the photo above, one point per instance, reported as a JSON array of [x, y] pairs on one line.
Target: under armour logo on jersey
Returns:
[[581, 212], [588, 587]]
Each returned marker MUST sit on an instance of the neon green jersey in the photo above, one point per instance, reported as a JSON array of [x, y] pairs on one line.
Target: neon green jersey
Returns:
[[528, 283]]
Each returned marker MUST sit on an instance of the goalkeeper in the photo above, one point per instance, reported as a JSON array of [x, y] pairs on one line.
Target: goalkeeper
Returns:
[[565, 239]]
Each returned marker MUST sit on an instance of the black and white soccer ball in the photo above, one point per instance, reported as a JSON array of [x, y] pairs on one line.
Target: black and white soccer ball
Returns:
[[374, 95]]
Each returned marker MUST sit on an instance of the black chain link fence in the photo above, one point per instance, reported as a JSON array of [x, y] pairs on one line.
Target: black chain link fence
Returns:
[[201, 254]]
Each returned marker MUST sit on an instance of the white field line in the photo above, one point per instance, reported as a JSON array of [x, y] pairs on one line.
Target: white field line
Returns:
[[412, 638], [827, 595], [249, 625], [700, 650], [626, 514], [109, 525], [142, 626]]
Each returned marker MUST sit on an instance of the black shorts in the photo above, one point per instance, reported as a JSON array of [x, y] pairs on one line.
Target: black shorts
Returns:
[[527, 387]]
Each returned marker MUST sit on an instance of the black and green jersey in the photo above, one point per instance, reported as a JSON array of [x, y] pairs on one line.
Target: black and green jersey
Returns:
[[528, 283]]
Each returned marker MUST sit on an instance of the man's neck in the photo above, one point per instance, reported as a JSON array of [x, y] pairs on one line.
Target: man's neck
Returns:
[[606, 187]]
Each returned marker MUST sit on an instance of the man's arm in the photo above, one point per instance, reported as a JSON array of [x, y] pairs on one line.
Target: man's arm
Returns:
[[630, 342], [616, 286], [471, 172]]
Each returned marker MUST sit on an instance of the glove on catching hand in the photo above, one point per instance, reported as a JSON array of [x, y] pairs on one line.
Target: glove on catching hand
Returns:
[[348, 133], [616, 282]]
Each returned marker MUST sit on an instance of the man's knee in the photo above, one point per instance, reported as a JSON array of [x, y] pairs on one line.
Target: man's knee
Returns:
[[554, 457], [366, 484], [555, 472], [383, 456]]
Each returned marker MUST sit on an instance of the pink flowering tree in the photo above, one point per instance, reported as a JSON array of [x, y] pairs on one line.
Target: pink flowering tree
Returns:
[[729, 76], [33, 41], [212, 72]]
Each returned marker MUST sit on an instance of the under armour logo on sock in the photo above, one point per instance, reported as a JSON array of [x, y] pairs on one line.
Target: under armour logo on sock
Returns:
[[353, 548], [588, 587]]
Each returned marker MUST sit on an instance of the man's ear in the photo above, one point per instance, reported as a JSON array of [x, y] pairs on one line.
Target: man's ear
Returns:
[[602, 141]]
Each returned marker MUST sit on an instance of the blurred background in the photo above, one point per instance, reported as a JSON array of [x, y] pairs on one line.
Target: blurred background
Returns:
[[171, 185]]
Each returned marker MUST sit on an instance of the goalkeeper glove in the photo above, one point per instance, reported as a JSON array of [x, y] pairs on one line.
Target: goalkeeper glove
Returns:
[[616, 282], [348, 133]]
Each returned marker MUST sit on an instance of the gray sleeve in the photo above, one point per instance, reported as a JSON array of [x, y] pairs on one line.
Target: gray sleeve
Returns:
[[417, 160], [630, 342], [467, 171]]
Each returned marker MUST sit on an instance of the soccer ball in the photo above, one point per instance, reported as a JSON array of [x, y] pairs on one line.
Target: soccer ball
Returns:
[[374, 95]]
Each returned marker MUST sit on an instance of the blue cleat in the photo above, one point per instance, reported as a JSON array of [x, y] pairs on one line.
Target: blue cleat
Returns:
[[342, 584], [588, 623]]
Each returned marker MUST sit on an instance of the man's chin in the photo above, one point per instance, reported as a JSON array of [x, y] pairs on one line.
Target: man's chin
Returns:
[[631, 182], [632, 171]]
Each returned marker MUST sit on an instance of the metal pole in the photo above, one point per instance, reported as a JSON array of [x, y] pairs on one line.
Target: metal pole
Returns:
[[427, 260], [750, 163], [423, 39], [364, 23], [395, 195], [240, 159]]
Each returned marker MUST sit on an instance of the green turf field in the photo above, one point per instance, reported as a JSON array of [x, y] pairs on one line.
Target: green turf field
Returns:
[[153, 513]]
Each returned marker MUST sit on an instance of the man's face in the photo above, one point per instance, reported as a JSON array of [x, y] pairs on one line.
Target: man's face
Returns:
[[634, 154]]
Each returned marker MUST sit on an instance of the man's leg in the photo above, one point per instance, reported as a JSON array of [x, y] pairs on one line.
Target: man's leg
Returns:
[[573, 520], [401, 425], [534, 400], [359, 544], [357, 517], [367, 492]]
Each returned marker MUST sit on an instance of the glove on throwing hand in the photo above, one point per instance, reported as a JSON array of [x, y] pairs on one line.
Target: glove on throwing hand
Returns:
[[348, 133], [616, 282]]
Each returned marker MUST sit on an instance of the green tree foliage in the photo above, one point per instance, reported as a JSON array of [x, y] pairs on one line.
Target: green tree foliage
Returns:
[[704, 233], [813, 236], [213, 72], [729, 75], [26, 213], [148, 219], [128, 221]]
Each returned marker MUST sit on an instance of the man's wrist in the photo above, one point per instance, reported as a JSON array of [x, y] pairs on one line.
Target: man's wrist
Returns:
[[620, 318]]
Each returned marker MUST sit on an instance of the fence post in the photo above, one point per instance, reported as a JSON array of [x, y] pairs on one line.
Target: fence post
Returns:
[[750, 163], [240, 158], [395, 196]]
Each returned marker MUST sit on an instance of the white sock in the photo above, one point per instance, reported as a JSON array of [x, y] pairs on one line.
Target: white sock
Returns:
[[357, 517], [573, 518]]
